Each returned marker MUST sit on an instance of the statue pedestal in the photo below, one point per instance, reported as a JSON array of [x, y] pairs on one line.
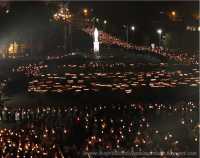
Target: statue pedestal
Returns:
[[96, 47]]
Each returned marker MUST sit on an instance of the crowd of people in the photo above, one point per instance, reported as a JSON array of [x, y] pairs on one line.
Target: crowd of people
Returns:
[[167, 53], [109, 78], [96, 125], [74, 131]]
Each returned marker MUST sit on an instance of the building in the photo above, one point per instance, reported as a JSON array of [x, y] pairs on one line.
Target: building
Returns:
[[63, 12]]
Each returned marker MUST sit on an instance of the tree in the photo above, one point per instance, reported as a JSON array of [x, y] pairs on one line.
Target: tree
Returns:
[[146, 38], [170, 40]]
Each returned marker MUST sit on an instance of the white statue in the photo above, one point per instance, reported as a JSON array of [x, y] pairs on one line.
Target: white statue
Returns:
[[96, 34], [96, 43]]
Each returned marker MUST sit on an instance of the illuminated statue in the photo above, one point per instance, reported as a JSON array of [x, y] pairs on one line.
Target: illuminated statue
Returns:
[[96, 33], [96, 43]]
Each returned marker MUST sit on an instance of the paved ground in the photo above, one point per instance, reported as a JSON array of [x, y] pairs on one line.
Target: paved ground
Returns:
[[21, 99]]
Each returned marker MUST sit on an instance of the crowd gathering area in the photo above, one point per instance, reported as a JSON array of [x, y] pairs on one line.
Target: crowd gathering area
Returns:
[[170, 54], [123, 110]]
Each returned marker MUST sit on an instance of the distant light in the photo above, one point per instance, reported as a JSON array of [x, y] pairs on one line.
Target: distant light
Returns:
[[173, 13], [159, 31], [7, 11], [199, 28], [91, 10], [105, 22], [132, 27], [161, 12]]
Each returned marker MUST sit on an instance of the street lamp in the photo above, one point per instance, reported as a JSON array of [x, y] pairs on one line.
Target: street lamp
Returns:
[[85, 11], [173, 13], [97, 20], [159, 31], [93, 20], [104, 25], [133, 28]]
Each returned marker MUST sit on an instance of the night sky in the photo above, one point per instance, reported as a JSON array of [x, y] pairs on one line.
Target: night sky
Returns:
[[145, 16], [140, 14]]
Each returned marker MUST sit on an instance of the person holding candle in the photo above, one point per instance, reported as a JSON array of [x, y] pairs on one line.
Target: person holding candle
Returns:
[[17, 117]]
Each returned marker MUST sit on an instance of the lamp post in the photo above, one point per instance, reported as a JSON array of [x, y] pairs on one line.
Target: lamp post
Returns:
[[133, 28], [97, 20], [93, 20], [159, 32], [174, 14], [85, 11], [104, 29]]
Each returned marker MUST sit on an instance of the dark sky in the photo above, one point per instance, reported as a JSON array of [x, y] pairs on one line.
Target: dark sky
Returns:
[[138, 12]]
